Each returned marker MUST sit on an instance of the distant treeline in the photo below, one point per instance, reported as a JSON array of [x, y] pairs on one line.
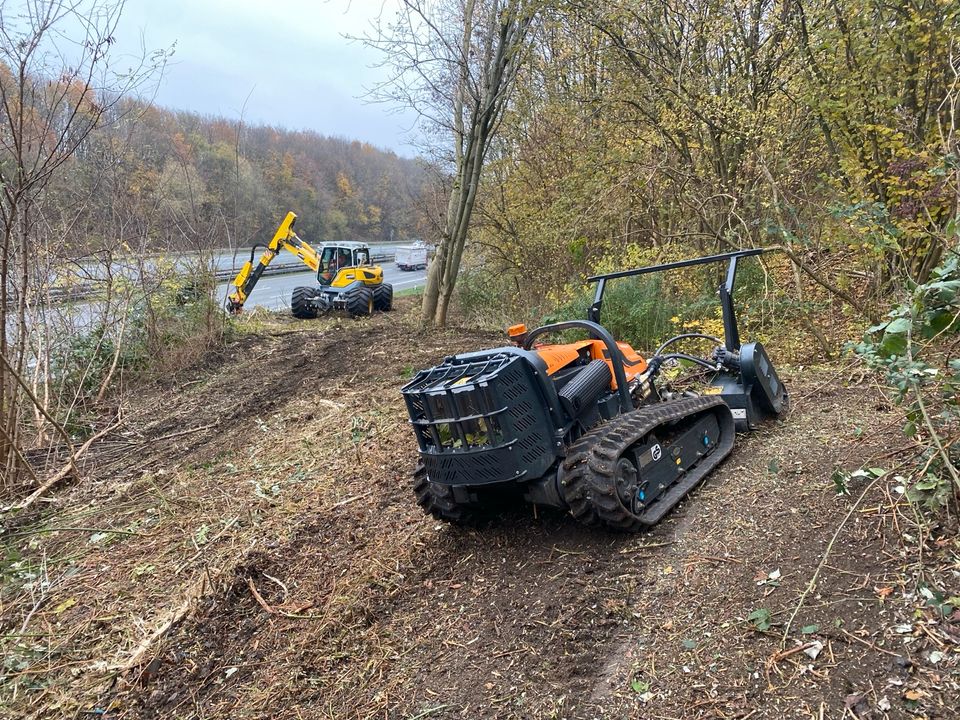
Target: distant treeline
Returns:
[[155, 178]]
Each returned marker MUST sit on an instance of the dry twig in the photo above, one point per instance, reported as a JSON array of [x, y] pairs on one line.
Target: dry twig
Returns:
[[62, 473]]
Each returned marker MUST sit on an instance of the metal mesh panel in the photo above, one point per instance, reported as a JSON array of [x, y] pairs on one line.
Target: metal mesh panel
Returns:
[[482, 421]]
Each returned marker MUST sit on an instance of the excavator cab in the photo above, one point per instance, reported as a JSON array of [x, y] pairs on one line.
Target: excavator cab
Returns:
[[334, 258]]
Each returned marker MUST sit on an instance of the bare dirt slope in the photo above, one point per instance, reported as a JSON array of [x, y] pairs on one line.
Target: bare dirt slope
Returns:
[[246, 545]]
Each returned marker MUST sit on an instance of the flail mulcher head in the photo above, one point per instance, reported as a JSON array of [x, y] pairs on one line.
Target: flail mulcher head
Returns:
[[586, 426]]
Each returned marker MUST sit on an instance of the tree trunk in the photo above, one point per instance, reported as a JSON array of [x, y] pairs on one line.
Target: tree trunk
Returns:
[[478, 103]]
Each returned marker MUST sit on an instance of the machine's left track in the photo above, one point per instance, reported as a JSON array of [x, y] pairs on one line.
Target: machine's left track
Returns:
[[439, 500], [627, 473]]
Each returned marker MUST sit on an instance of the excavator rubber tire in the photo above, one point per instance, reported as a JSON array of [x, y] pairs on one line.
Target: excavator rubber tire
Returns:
[[599, 463], [301, 304], [438, 501], [383, 297], [359, 301]]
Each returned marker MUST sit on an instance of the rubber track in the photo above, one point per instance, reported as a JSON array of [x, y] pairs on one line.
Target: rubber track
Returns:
[[438, 500], [587, 476]]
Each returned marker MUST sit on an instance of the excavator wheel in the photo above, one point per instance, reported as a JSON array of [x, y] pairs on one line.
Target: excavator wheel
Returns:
[[628, 473], [438, 500], [358, 301], [301, 303], [383, 297]]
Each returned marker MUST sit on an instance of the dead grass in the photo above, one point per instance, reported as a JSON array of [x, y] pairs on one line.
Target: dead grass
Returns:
[[247, 546]]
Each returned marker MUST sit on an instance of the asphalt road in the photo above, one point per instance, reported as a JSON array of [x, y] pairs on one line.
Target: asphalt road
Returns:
[[273, 291]]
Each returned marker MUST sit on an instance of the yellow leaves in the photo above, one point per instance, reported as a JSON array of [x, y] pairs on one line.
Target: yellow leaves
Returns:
[[630, 256], [344, 185], [65, 605], [713, 326], [883, 130]]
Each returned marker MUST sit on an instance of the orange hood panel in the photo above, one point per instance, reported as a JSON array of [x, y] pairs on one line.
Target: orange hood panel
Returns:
[[558, 357]]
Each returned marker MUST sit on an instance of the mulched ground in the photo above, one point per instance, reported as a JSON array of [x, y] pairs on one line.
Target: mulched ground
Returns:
[[264, 509]]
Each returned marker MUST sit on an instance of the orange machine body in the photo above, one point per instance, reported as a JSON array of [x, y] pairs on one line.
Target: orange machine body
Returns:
[[558, 357]]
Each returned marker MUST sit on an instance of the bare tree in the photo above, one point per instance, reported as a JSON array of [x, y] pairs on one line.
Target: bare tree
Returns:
[[57, 84], [455, 63]]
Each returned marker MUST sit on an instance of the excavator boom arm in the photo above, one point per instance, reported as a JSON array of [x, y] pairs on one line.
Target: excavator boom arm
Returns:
[[250, 274]]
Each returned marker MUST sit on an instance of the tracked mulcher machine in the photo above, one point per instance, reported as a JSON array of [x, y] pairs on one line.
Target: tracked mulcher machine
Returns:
[[587, 426]]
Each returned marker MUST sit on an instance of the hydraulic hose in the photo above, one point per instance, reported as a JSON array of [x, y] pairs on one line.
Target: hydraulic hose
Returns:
[[692, 358], [686, 336]]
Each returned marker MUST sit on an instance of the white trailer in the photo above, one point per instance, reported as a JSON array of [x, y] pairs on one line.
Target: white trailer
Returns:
[[412, 257]]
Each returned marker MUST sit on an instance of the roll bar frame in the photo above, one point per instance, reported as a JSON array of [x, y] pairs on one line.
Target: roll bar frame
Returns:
[[731, 334]]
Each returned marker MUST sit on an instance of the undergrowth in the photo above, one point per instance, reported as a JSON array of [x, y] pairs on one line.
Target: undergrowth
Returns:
[[165, 329], [916, 350]]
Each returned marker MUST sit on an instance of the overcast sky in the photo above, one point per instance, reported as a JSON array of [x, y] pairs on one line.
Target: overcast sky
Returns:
[[289, 56]]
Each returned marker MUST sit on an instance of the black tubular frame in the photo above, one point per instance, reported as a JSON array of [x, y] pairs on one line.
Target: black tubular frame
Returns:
[[731, 335], [600, 333]]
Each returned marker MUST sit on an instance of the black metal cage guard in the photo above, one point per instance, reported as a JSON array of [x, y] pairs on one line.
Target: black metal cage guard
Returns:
[[484, 418], [731, 335]]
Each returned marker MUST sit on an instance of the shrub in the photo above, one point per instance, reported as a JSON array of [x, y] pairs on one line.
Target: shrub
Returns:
[[169, 327], [177, 323], [916, 351]]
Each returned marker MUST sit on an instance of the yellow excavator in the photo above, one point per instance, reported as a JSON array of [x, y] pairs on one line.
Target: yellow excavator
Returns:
[[346, 278]]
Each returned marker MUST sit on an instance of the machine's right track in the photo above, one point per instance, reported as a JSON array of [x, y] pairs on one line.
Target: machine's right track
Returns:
[[589, 475]]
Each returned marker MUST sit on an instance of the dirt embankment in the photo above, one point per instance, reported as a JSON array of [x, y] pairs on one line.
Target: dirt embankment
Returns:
[[247, 546]]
